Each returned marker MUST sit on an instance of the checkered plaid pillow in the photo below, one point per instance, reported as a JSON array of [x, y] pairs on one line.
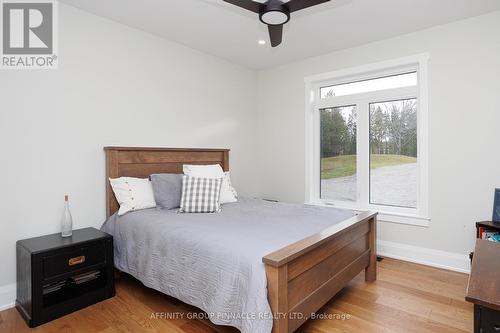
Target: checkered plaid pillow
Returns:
[[200, 195]]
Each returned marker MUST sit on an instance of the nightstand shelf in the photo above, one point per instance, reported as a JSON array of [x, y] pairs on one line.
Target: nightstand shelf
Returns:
[[488, 225], [56, 275]]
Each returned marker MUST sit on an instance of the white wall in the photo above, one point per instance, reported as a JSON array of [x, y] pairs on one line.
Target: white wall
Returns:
[[114, 86], [120, 86], [464, 112]]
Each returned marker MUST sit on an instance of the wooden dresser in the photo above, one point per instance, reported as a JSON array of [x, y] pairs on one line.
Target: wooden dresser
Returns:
[[484, 287]]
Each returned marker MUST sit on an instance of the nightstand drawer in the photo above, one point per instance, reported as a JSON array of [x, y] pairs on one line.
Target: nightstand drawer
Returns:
[[74, 259]]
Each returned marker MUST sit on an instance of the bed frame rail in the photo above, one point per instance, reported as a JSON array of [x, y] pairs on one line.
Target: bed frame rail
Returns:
[[303, 276]]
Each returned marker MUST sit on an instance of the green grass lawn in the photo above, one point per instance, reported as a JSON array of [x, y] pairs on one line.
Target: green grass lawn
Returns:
[[341, 166]]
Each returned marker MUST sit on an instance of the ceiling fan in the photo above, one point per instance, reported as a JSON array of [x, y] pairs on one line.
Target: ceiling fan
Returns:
[[275, 13]]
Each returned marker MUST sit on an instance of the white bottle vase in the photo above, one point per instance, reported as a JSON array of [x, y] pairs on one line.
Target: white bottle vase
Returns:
[[67, 220]]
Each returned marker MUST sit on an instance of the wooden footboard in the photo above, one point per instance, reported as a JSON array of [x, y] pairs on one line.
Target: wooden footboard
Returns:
[[303, 276]]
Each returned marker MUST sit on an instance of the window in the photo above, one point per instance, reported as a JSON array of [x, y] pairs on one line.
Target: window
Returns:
[[367, 139], [382, 83], [338, 153], [393, 153]]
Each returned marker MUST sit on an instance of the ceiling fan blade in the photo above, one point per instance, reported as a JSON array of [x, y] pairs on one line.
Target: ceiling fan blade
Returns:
[[295, 5], [246, 4], [276, 34]]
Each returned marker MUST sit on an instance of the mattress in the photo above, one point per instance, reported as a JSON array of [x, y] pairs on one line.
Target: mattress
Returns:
[[214, 261]]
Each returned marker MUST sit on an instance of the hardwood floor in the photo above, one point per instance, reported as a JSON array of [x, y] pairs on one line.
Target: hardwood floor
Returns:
[[406, 298]]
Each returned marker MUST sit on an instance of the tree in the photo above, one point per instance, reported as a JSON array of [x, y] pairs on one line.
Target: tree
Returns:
[[352, 131], [409, 133], [393, 128], [334, 133], [379, 121]]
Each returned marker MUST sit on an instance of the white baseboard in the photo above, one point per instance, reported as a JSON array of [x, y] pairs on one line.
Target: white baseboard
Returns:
[[7, 296], [425, 256]]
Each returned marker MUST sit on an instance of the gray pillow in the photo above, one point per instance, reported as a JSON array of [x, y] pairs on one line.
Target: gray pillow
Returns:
[[167, 189]]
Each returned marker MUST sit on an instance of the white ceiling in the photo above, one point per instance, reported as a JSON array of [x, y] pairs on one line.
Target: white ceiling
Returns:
[[221, 29]]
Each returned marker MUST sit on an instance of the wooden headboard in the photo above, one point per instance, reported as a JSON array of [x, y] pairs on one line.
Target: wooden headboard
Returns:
[[142, 162]]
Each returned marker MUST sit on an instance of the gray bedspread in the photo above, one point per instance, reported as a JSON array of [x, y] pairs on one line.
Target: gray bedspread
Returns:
[[214, 261]]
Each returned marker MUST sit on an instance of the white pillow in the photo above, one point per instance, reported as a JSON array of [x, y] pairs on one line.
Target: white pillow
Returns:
[[203, 171], [227, 192], [133, 194]]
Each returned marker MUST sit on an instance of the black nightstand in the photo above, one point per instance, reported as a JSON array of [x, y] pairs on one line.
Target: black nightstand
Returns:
[[56, 275]]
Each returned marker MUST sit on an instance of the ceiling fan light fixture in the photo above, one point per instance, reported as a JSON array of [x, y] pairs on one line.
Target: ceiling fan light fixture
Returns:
[[274, 17], [275, 13]]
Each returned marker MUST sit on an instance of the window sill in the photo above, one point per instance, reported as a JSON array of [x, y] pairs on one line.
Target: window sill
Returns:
[[384, 216]]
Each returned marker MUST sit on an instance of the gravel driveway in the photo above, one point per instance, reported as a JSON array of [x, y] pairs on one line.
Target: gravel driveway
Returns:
[[391, 185]]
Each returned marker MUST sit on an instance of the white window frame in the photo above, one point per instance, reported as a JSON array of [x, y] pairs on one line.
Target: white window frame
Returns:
[[414, 216]]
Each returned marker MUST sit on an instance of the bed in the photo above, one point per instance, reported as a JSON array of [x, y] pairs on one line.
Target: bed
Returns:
[[274, 263]]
